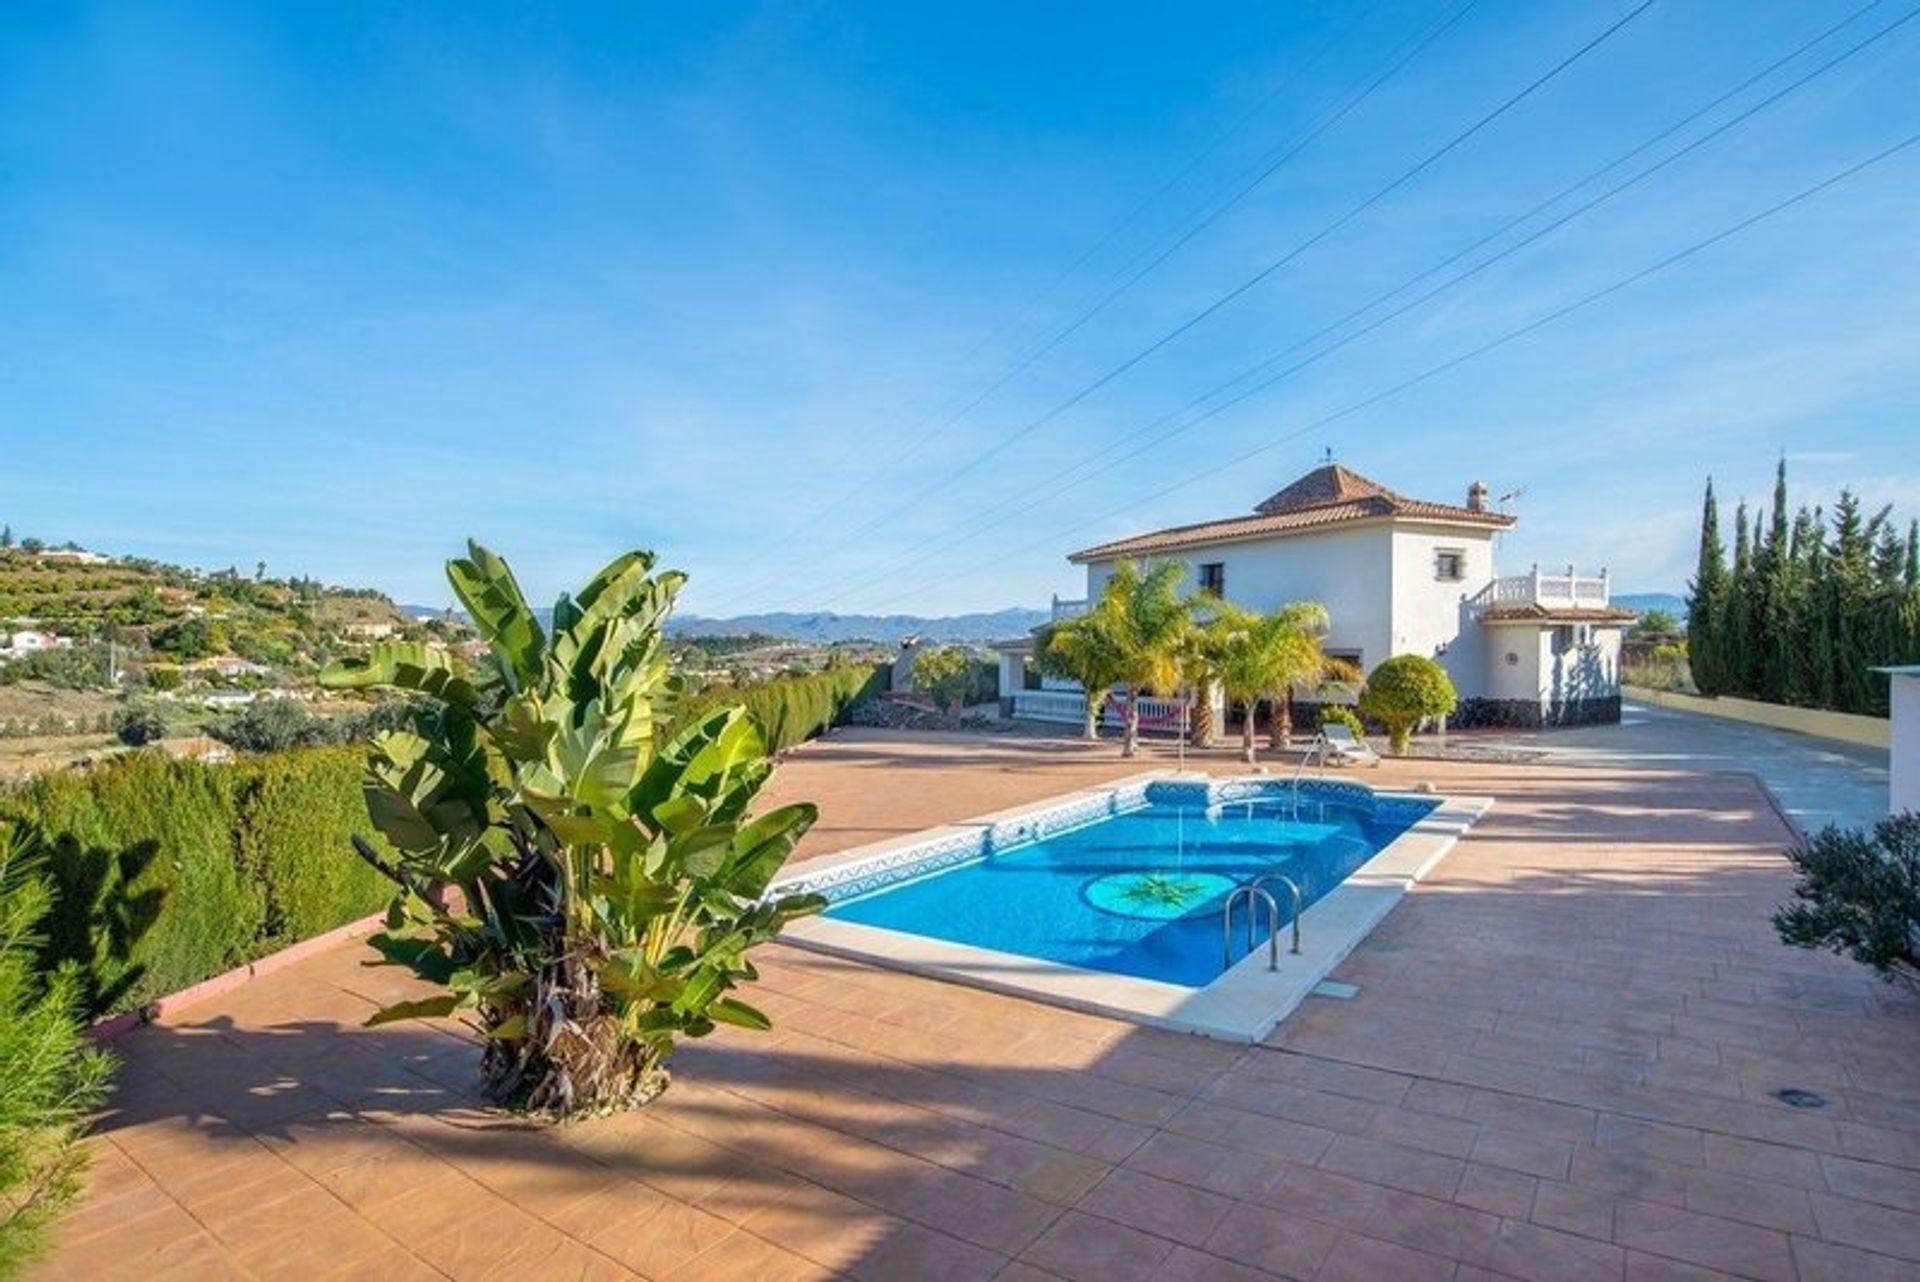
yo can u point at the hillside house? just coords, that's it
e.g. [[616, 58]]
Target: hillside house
[[1398, 575], [29, 640]]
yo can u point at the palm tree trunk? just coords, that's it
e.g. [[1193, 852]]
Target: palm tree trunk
[[1200, 722], [1280, 728], [1130, 745], [1096, 704], [1246, 733]]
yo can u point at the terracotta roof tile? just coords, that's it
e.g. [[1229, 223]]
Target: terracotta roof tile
[[1328, 495], [1533, 612]]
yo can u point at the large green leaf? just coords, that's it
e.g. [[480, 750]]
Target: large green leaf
[[421, 1008], [402, 665], [760, 848], [487, 588]]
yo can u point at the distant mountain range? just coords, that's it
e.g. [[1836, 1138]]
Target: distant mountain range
[[1641, 602], [824, 627]]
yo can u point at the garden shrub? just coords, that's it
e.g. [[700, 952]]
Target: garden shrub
[[168, 872], [51, 1076], [147, 895], [1339, 714], [1405, 690], [1859, 894], [297, 812]]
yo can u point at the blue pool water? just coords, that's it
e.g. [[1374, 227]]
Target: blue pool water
[[1139, 893]]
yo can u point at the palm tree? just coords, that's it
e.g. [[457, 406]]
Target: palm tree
[[1147, 618], [1294, 633], [1198, 656], [1264, 655], [1084, 649]]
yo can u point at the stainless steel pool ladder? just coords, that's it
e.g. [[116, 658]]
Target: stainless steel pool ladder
[[1254, 892]]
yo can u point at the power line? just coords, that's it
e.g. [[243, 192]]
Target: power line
[[1054, 487], [1354, 100], [1510, 336], [1406, 176]]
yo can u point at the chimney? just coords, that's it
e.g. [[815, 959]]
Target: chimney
[[1477, 496]]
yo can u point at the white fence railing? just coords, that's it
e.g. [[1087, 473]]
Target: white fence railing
[[1157, 716], [1063, 609], [1536, 588]]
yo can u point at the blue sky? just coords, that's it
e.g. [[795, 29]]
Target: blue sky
[[337, 285]]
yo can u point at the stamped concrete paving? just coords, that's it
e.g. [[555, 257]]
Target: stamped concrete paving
[[1816, 781], [1561, 1064]]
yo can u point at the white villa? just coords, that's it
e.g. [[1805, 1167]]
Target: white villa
[[1398, 576]]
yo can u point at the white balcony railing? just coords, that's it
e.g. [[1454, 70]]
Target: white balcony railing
[[1069, 707], [1536, 588], [1068, 609]]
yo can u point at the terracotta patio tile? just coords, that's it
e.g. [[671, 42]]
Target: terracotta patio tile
[[1873, 1228], [1642, 1267], [1872, 1182], [395, 1264], [330, 1241], [909, 1252], [1496, 1191], [1549, 1159], [1773, 1206], [1706, 1240], [747, 1258], [1830, 1262], [1547, 1255], [1394, 1166], [1354, 1258], [1171, 1210], [655, 1244], [1573, 1209], [150, 1242], [1085, 1248]]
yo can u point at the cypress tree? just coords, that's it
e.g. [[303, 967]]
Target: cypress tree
[[1738, 655], [1808, 605], [1707, 601]]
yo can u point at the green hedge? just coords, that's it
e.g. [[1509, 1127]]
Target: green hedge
[[167, 872], [792, 710]]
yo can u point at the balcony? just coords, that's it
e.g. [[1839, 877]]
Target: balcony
[[1068, 609], [1551, 591]]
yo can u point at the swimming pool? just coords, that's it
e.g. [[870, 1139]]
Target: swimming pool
[[1112, 898]]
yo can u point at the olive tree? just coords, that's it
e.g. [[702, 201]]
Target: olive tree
[[945, 673], [581, 889], [1859, 894], [1405, 690]]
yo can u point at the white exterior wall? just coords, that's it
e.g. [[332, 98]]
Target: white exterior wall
[[1903, 760], [1516, 662], [1378, 584], [1429, 614], [1348, 570], [1539, 675]]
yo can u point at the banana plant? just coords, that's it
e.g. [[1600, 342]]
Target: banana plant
[[585, 890]]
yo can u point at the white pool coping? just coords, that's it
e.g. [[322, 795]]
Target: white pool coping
[[1242, 1005]]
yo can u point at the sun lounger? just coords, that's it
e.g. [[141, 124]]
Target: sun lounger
[[1343, 746]]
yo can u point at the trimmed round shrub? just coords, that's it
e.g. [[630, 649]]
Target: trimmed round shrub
[[1405, 690], [1339, 714]]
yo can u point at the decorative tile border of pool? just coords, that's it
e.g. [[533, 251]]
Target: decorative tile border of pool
[[1242, 1005]]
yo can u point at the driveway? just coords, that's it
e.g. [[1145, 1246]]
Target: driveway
[[1816, 781]]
